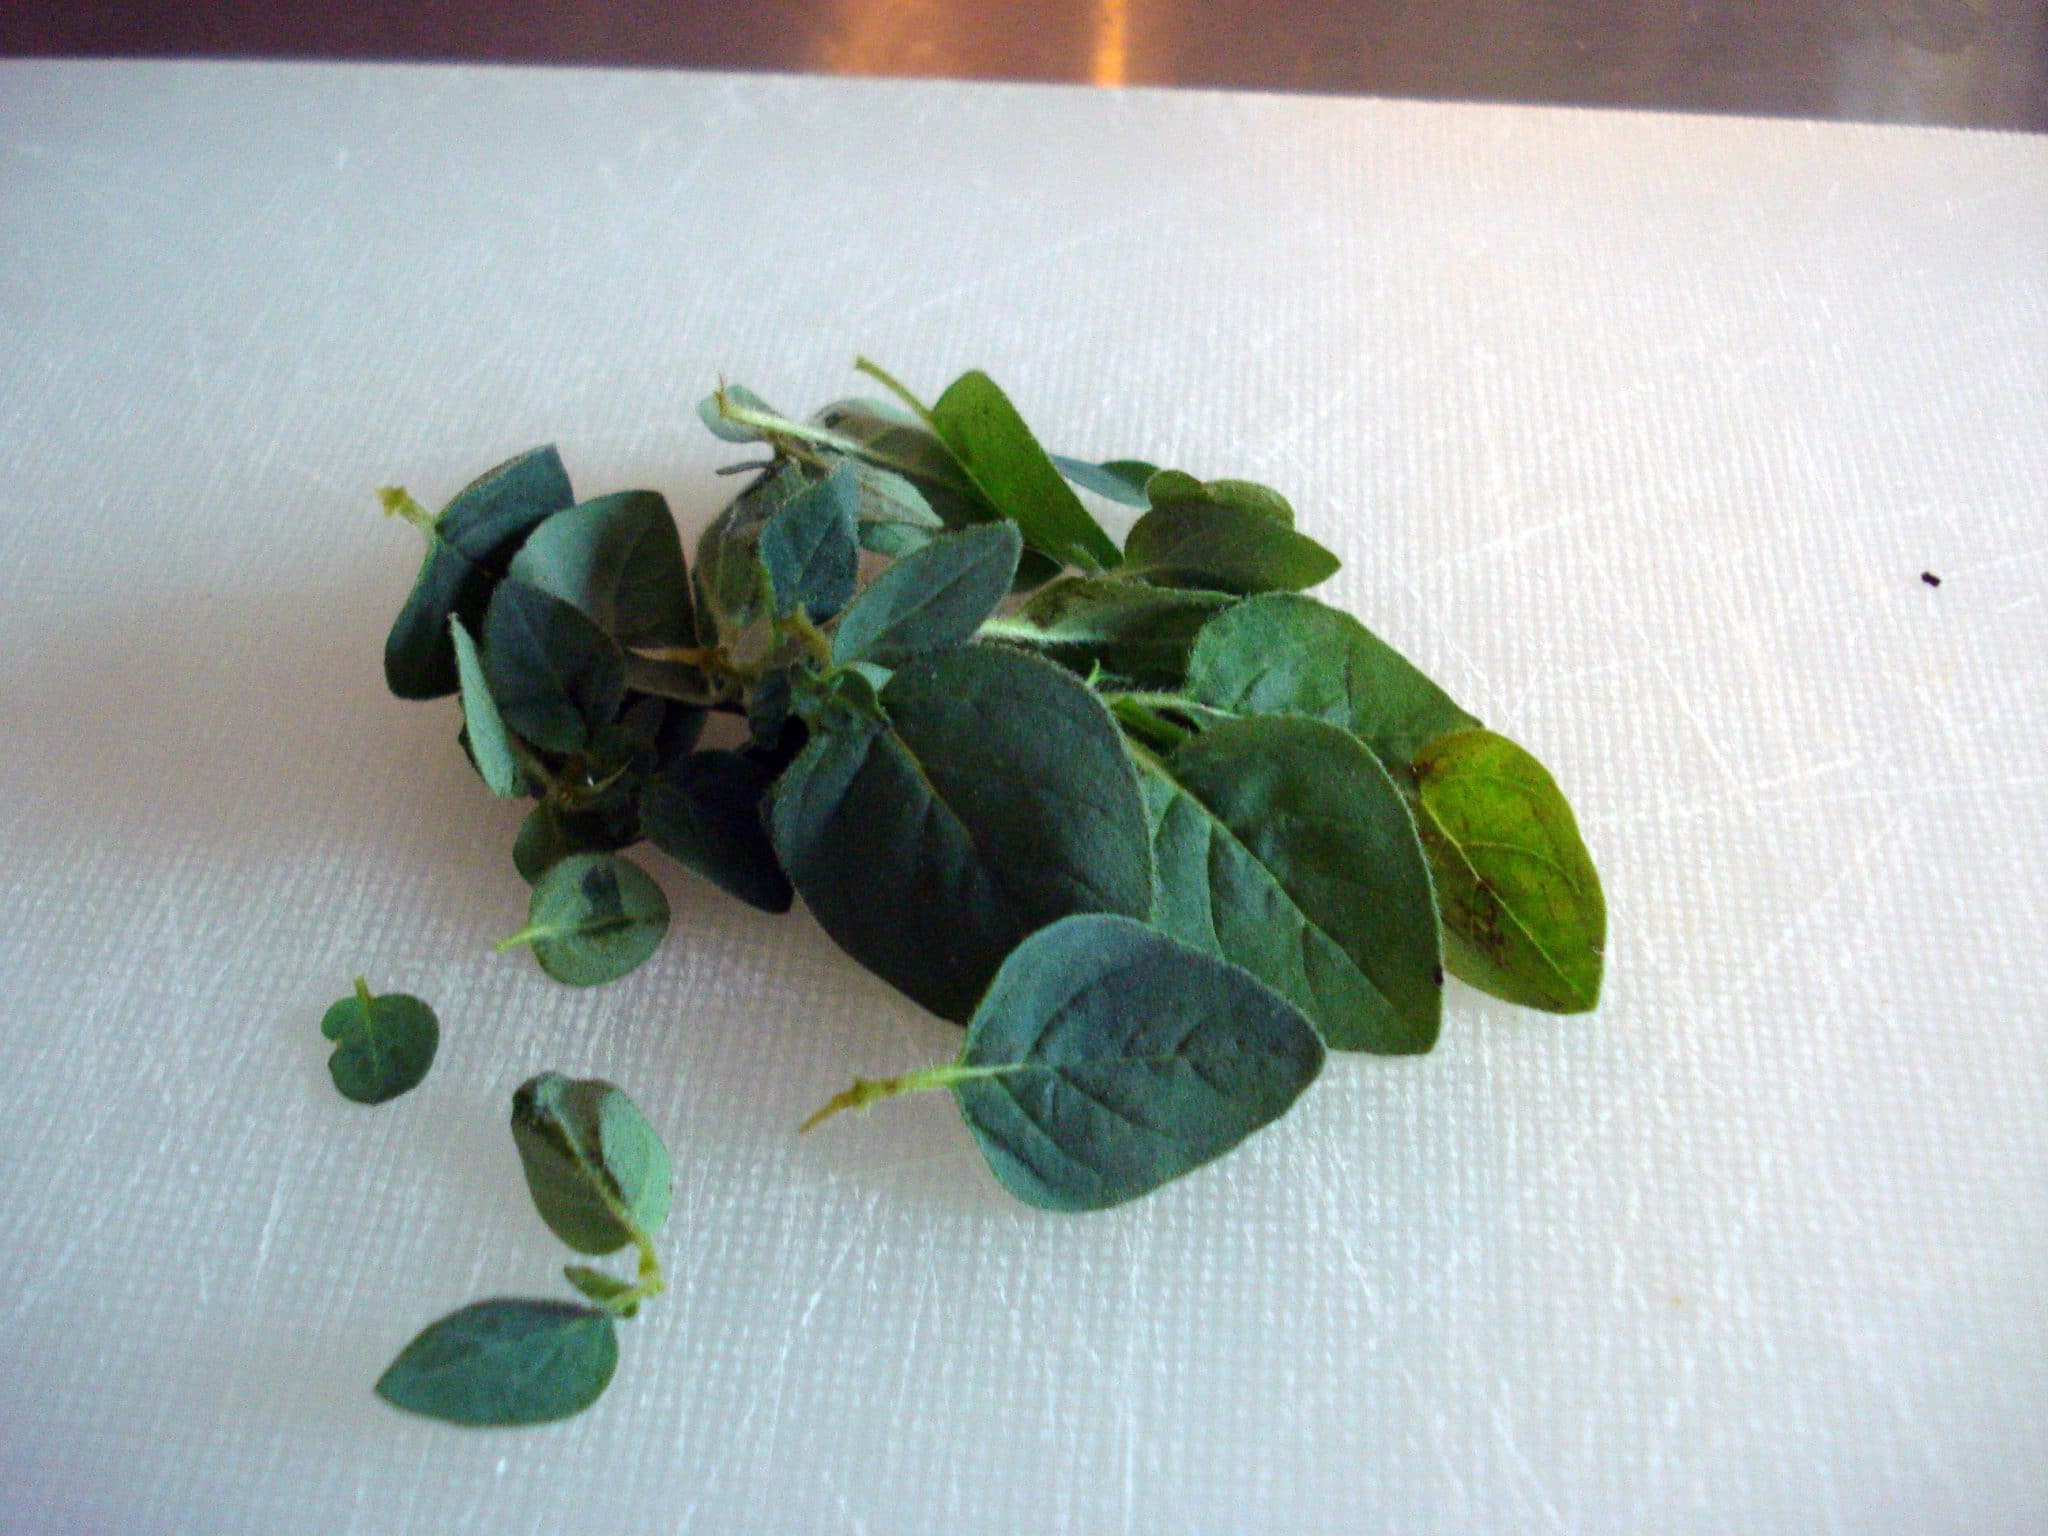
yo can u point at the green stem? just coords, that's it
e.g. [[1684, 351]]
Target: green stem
[[891, 383], [813, 639], [1142, 723], [363, 1000], [872, 1090], [398, 502]]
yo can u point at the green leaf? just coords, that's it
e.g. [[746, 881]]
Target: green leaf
[[1287, 655], [1172, 488], [1284, 846], [505, 1362], [598, 1173], [1129, 630], [1108, 1059], [993, 799], [809, 549], [468, 546], [1005, 464], [705, 813], [551, 833], [733, 412], [556, 676], [895, 440], [1223, 548], [490, 744], [383, 1045], [731, 583], [618, 560], [931, 600], [616, 1296], [592, 918], [1118, 480], [1523, 913], [888, 499]]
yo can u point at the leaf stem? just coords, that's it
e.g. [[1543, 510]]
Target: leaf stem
[[891, 383], [398, 502], [872, 1090]]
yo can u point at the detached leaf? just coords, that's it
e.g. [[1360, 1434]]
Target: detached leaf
[[1221, 547], [1108, 1059], [557, 677], [705, 813], [995, 798], [468, 547], [1287, 655], [383, 1045], [618, 560], [1283, 845], [931, 600], [598, 1173], [1127, 629], [1523, 913], [1118, 480], [809, 549], [502, 1363], [592, 918], [490, 744]]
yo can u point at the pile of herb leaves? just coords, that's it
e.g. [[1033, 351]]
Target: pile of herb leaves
[[1156, 827]]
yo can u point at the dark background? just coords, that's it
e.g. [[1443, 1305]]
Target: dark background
[[1960, 62]]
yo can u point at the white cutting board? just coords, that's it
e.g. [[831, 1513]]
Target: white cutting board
[[1638, 431]]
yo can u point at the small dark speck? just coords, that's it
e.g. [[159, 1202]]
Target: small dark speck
[[1930, 578], [1439, 975]]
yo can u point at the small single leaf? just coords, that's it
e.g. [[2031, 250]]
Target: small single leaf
[[1288, 655], [1223, 548], [731, 584], [598, 1173], [1524, 917], [931, 600], [723, 413], [608, 1291], [1282, 845], [993, 799], [888, 499], [809, 548], [897, 441], [1009, 471], [505, 1362], [1172, 488], [1127, 629], [490, 744], [1108, 1059], [705, 813], [1118, 480], [468, 547], [383, 1045], [556, 676], [619, 561], [592, 918]]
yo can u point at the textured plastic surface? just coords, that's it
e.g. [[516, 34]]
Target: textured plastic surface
[[1637, 431]]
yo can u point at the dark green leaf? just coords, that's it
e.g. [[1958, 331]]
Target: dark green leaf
[[502, 1363], [1108, 1059], [996, 798], [619, 561], [556, 676], [705, 812], [608, 1291], [383, 1045], [468, 547], [1139, 633], [731, 584], [550, 833], [490, 744], [1118, 480], [1523, 914], [931, 600], [598, 1173], [1283, 845], [592, 918], [1223, 548], [1287, 655], [809, 548]]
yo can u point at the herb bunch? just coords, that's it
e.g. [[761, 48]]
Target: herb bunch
[[1156, 827]]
